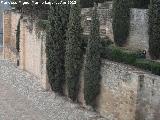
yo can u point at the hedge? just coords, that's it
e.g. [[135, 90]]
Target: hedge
[[118, 55], [143, 64], [136, 58], [148, 65]]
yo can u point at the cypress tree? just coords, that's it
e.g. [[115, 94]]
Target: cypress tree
[[154, 29], [141, 3], [92, 65], [90, 3], [74, 53], [55, 46], [86, 3], [121, 21], [18, 36]]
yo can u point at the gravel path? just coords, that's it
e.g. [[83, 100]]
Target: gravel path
[[22, 98]]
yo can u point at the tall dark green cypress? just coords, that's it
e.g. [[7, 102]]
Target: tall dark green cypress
[[86, 3], [154, 29], [18, 36], [90, 3], [121, 21], [140, 3], [74, 53], [55, 46], [93, 63]]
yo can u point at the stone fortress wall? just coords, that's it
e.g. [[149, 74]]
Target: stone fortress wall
[[105, 21], [126, 92], [10, 22], [138, 36], [2, 9], [31, 57]]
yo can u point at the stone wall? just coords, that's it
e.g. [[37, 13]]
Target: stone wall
[[10, 22], [3, 7], [32, 56], [148, 107], [104, 18], [32, 50], [138, 37], [128, 93], [7, 27]]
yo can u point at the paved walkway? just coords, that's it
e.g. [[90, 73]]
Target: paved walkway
[[21, 98]]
